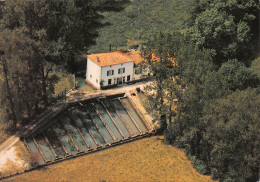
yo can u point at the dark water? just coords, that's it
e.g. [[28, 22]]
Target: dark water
[[100, 125], [133, 114], [72, 129], [124, 115], [91, 127], [87, 126], [102, 111], [45, 148], [66, 141], [75, 117], [34, 151], [55, 143], [116, 118]]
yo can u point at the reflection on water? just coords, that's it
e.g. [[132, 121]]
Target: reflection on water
[[108, 121], [34, 151], [99, 123], [121, 110], [67, 143], [77, 120], [55, 143], [134, 115], [45, 148], [92, 128], [116, 119]]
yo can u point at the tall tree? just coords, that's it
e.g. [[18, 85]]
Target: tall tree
[[233, 128], [20, 72], [52, 33], [234, 75], [159, 54], [229, 28]]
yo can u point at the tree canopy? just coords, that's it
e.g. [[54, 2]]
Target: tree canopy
[[214, 87], [35, 37]]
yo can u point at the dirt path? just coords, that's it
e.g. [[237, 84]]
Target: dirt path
[[8, 153], [6, 145]]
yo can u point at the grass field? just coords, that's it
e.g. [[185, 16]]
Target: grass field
[[66, 82], [148, 159]]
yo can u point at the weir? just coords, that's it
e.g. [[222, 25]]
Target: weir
[[87, 126]]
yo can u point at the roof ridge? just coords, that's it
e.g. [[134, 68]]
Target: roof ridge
[[122, 54]]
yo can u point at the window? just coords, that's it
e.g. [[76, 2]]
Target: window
[[123, 79], [109, 81], [90, 76], [96, 80], [110, 72], [128, 78], [121, 70]]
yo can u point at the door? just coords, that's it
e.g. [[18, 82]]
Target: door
[[119, 80]]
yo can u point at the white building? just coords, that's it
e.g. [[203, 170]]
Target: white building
[[112, 68]]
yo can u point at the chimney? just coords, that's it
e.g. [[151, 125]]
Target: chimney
[[97, 59]]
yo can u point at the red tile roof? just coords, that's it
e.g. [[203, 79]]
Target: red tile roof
[[115, 57]]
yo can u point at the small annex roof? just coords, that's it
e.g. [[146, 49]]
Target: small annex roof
[[136, 56], [115, 57]]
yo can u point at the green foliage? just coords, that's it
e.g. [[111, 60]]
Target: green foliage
[[197, 84], [159, 55], [142, 20], [230, 28], [232, 130], [36, 36], [234, 75], [199, 165]]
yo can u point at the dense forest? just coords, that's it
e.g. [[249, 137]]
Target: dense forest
[[206, 66], [37, 37], [213, 43], [200, 53], [141, 20]]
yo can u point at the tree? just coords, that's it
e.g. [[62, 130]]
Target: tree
[[233, 129], [159, 54], [196, 72], [20, 73], [51, 33], [234, 75], [229, 28]]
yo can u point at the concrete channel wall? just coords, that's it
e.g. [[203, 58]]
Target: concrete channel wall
[[95, 122], [83, 125]]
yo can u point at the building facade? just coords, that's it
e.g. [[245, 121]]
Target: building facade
[[112, 68]]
